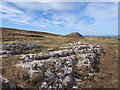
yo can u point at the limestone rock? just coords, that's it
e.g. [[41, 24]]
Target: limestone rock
[[61, 68]]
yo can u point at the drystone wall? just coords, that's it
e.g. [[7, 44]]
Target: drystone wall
[[63, 68], [9, 49]]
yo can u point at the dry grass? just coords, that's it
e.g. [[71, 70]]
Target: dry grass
[[107, 78], [109, 63]]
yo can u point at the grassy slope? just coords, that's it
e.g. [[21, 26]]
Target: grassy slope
[[108, 78], [109, 63]]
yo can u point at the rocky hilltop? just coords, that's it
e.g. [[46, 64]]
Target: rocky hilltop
[[75, 34]]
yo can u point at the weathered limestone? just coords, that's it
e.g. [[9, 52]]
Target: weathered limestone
[[62, 68], [10, 49], [7, 83]]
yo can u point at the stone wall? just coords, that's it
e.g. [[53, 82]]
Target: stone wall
[[9, 49], [63, 68]]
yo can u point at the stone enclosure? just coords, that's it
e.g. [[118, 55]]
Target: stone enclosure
[[64, 68]]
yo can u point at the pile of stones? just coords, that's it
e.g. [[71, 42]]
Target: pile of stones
[[23, 39], [9, 49], [63, 68], [7, 83]]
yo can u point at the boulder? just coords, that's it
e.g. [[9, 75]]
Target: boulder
[[68, 81], [7, 83]]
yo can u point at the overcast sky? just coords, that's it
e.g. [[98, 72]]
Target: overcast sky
[[87, 18]]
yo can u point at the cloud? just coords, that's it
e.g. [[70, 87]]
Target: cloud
[[46, 8], [11, 14], [105, 15], [84, 17], [61, 0]]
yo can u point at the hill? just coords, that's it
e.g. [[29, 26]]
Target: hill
[[75, 34], [19, 40]]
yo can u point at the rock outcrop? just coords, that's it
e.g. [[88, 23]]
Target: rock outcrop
[[63, 68]]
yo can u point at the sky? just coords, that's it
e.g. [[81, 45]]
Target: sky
[[87, 18]]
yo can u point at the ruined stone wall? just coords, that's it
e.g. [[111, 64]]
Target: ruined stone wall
[[63, 68]]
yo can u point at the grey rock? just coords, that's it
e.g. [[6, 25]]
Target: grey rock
[[17, 48], [7, 83], [58, 66]]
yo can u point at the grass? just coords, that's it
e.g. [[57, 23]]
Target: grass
[[109, 63], [33, 36], [107, 78]]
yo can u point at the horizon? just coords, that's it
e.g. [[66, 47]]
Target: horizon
[[87, 18], [66, 34]]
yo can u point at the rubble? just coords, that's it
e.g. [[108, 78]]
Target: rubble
[[61, 68], [78, 43], [7, 83], [50, 49], [9, 49]]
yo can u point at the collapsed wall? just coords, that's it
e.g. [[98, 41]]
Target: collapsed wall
[[9, 49], [5, 83], [63, 68]]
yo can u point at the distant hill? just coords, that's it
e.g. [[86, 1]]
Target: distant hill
[[11, 34], [74, 34], [33, 32]]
